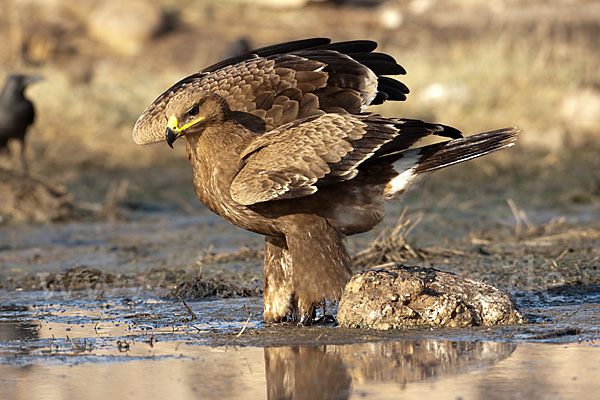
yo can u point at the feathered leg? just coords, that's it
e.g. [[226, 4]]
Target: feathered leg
[[301, 271], [278, 291], [321, 265]]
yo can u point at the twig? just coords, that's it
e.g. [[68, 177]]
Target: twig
[[186, 306], [245, 325], [77, 347], [391, 244], [520, 217], [561, 255]]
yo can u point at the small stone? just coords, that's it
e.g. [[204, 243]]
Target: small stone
[[432, 298], [125, 26], [580, 109]]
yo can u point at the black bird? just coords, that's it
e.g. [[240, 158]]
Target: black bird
[[17, 112]]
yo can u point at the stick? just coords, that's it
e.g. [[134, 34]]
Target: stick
[[245, 325], [186, 306]]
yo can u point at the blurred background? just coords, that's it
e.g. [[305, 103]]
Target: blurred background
[[473, 64]]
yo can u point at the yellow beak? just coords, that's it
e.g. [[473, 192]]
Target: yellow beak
[[174, 132]]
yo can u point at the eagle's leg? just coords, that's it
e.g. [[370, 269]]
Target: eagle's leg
[[321, 265], [278, 291]]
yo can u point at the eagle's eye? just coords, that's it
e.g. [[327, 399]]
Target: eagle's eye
[[194, 110]]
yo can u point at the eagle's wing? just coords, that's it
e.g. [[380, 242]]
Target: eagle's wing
[[289, 81], [296, 159]]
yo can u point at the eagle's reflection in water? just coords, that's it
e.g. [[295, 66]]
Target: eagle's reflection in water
[[315, 372], [306, 372]]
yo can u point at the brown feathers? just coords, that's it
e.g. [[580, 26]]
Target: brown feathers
[[284, 82], [280, 145]]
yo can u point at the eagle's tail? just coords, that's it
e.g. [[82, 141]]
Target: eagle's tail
[[436, 156], [440, 155]]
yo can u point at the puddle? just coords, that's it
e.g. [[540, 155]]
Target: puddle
[[137, 346], [433, 369]]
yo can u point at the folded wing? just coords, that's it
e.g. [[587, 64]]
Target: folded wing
[[296, 159]]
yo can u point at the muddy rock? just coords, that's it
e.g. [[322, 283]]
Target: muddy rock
[[397, 296]]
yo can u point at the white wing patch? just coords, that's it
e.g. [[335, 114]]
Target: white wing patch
[[406, 174]]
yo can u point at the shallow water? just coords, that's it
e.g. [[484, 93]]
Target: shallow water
[[133, 346], [427, 368], [411, 369]]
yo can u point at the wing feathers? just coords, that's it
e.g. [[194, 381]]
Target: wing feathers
[[331, 77], [394, 89], [352, 46], [269, 51], [298, 158], [380, 63]]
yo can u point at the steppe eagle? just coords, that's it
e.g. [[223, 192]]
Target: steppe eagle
[[281, 145]]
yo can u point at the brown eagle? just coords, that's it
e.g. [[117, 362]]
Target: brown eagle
[[281, 145]]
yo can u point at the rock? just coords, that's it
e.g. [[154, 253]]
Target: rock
[[125, 26], [398, 296], [580, 109]]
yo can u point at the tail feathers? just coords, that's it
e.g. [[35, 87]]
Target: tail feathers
[[430, 158], [440, 155]]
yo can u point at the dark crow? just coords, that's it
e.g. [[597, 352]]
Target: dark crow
[[16, 111]]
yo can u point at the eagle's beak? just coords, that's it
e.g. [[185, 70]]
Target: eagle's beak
[[173, 131]]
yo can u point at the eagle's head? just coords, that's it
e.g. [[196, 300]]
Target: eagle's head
[[190, 112]]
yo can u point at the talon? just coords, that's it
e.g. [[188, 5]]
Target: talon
[[305, 320]]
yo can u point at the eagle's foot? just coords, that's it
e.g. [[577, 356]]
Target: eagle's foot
[[306, 316], [293, 310]]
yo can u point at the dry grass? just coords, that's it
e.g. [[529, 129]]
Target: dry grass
[[390, 245]]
